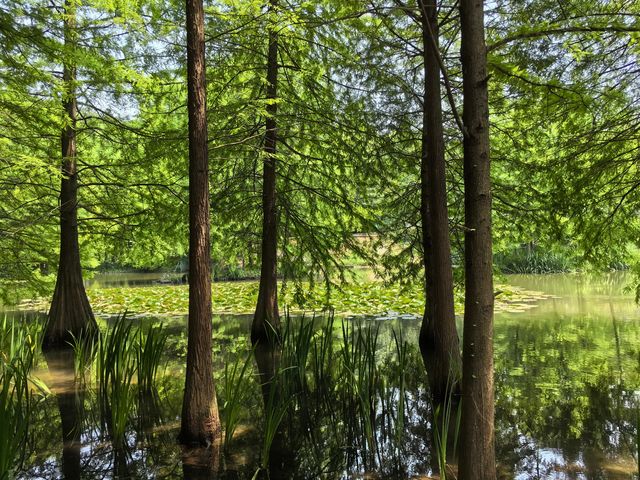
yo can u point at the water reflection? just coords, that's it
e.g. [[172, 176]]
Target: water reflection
[[567, 396], [277, 456], [567, 381], [201, 463], [69, 394]]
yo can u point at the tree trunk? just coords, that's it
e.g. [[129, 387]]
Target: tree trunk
[[439, 342], [477, 461], [200, 420], [70, 314], [266, 320]]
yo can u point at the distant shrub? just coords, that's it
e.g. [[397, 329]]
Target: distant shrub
[[234, 272], [528, 260]]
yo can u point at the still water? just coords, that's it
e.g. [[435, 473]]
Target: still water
[[567, 380], [567, 401]]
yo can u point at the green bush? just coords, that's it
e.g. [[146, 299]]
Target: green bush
[[527, 260]]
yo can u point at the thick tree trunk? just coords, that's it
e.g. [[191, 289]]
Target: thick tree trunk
[[439, 342], [477, 461], [200, 420], [266, 320], [70, 314]]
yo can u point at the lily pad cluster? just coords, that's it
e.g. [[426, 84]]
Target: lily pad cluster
[[367, 298]]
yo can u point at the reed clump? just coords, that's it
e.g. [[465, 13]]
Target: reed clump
[[19, 393]]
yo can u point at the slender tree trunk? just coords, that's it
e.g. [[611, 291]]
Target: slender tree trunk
[[439, 342], [477, 461], [266, 320], [200, 420], [70, 314]]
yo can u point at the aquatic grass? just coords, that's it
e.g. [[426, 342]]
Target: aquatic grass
[[360, 376], [116, 365], [402, 348], [112, 346], [122, 400], [296, 345], [84, 352], [442, 418], [235, 389], [322, 354], [276, 408], [149, 351], [19, 341], [637, 438], [19, 338], [15, 413], [537, 261]]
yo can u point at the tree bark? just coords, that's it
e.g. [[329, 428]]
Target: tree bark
[[70, 314], [439, 342], [477, 442], [200, 419], [266, 320]]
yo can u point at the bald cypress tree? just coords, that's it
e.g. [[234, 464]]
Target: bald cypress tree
[[200, 419], [266, 319], [477, 459], [439, 342], [70, 314]]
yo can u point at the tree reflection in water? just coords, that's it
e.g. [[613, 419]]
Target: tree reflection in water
[[567, 377]]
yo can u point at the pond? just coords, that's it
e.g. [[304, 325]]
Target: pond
[[567, 398]]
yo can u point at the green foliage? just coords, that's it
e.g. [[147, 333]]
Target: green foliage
[[538, 260]]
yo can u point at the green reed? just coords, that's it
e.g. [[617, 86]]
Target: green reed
[[235, 389], [19, 340], [276, 408], [402, 349], [15, 413], [116, 366], [322, 353], [360, 375], [149, 350], [296, 345], [442, 417], [84, 352]]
